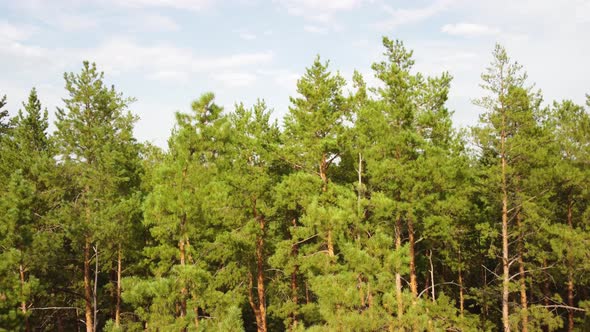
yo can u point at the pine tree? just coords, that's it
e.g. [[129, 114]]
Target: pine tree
[[570, 124], [93, 132], [254, 172], [192, 282], [313, 146], [513, 143], [25, 206]]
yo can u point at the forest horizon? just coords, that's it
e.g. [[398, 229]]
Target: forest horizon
[[365, 210]]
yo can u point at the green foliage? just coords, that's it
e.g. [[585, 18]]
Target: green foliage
[[365, 211]]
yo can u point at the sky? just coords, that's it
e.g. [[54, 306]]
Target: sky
[[166, 53]]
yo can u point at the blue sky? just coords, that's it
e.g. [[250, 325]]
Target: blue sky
[[165, 53]]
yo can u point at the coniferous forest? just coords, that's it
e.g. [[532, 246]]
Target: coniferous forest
[[363, 209]]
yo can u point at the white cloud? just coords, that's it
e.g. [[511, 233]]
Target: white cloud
[[469, 29], [193, 5], [163, 61], [315, 28], [247, 35], [307, 7], [401, 16], [156, 22], [16, 32], [234, 79], [320, 12]]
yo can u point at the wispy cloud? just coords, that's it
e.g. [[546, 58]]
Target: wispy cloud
[[155, 22], [322, 13], [402, 16], [161, 61], [234, 79], [193, 5], [246, 35], [469, 30], [16, 32], [315, 28]]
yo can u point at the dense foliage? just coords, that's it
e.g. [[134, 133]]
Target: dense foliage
[[365, 210]]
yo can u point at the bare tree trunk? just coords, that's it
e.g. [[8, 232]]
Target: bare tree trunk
[[570, 272], [360, 184], [432, 275], [522, 276], [505, 263], [294, 295], [412, 241], [546, 292], [323, 169], [23, 303], [87, 287], [253, 305], [118, 305], [398, 277], [260, 308], [183, 290], [461, 295], [94, 293]]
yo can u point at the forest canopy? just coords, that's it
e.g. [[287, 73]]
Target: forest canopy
[[364, 210]]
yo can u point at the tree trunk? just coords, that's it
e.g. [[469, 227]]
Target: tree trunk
[[546, 292], [253, 305], [183, 290], [570, 272], [398, 277], [94, 292], [432, 275], [323, 175], [294, 296], [461, 296], [505, 263], [361, 293], [118, 305], [87, 287], [522, 276], [260, 308], [360, 184], [23, 303], [412, 241]]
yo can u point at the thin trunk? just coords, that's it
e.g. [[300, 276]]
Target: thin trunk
[[260, 312], [360, 288], [505, 263], [570, 272], [330, 244], [546, 292], [432, 275], [522, 276], [398, 277], [360, 184], [182, 244], [324, 177], [94, 293], [118, 305], [23, 303], [294, 295], [412, 242], [253, 305], [461, 296], [87, 287], [183, 290]]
